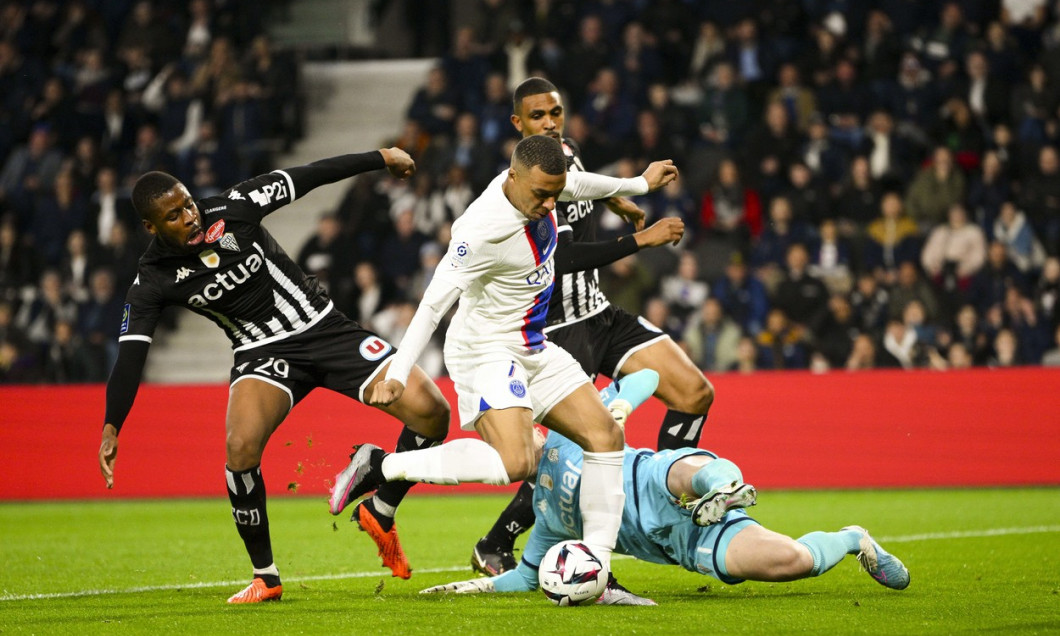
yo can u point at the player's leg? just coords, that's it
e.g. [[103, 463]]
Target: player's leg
[[582, 418], [684, 390], [709, 487], [256, 407], [425, 413]]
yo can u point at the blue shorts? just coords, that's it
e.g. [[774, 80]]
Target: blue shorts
[[668, 526]]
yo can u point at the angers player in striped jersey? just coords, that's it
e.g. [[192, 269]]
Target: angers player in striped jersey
[[215, 258], [601, 337]]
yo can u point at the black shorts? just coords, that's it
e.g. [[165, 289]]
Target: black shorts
[[336, 353], [602, 343]]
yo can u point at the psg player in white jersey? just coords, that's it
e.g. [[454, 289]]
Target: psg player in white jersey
[[214, 257], [507, 375]]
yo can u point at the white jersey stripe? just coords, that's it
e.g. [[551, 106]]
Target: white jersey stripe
[[254, 331], [274, 326], [232, 328], [280, 336], [287, 310], [289, 286]]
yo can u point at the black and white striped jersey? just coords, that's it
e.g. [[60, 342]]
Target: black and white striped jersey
[[241, 279], [577, 295]]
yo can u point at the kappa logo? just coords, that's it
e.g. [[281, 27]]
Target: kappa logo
[[183, 273], [215, 232], [228, 241], [236, 196], [268, 193], [543, 506]]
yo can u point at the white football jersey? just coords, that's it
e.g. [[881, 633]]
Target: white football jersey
[[502, 263]]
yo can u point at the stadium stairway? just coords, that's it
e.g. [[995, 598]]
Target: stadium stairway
[[351, 107]]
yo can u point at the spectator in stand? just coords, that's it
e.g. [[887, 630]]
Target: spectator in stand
[[1047, 293], [986, 93], [1052, 356], [57, 214], [721, 115], [989, 190], [743, 297], [845, 103], [122, 253], [683, 292], [911, 99], [1006, 350], [1040, 199], [146, 155], [881, 50], [831, 258], [18, 263], [991, 284], [466, 68], [638, 60], [400, 253], [954, 253], [494, 112], [1022, 319], [46, 305], [79, 261], [871, 304], [770, 250], [935, 188], [675, 122], [99, 318], [368, 295], [54, 110], [945, 40], [674, 200], [889, 154], [590, 53], [961, 133], [799, 101], [862, 354], [1012, 230], [781, 344], [746, 356], [1025, 20], [826, 159], [658, 313], [859, 199], [627, 282], [810, 201], [707, 52], [801, 296], [1003, 56], [730, 210], [609, 110], [1033, 104], [218, 73], [467, 152], [837, 333], [326, 254], [909, 286], [29, 172], [435, 105], [818, 62], [649, 144], [770, 149], [752, 58], [711, 338]]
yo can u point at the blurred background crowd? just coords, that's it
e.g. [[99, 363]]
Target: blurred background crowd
[[864, 184]]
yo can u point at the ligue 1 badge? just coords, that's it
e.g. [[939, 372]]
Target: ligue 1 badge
[[228, 241], [210, 258]]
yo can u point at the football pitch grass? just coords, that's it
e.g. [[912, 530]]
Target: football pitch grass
[[980, 561]]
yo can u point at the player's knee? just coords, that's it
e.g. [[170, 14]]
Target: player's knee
[[606, 437], [518, 464], [791, 561], [438, 421], [696, 397], [242, 451]]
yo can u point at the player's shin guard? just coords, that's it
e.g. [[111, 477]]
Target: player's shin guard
[[680, 430], [716, 475], [387, 498], [602, 499], [515, 520], [246, 491], [456, 462], [829, 548]]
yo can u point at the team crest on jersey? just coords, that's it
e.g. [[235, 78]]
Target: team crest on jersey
[[460, 254], [517, 388], [210, 258], [228, 241], [545, 481], [125, 318], [215, 232], [553, 455], [374, 348], [542, 231]]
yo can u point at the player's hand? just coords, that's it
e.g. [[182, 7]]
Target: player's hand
[[666, 230], [386, 392], [660, 173], [473, 586], [628, 210], [398, 162], [108, 453]]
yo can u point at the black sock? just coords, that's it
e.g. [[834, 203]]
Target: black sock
[[246, 491], [680, 430], [516, 519], [390, 494]]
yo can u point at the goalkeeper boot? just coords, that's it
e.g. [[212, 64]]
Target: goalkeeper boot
[[490, 559], [881, 565], [388, 543], [616, 594], [257, 592], [711, 507], [363, 475]]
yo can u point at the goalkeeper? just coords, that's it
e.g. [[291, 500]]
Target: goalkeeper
[[683, 507]]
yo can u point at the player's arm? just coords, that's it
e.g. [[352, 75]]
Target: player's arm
[[628, 210], [588, 186], [576, 257], [122, 387], [522, 579]]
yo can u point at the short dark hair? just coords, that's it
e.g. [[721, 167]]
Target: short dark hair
[[541, 151], [149, 187], [531, 86]]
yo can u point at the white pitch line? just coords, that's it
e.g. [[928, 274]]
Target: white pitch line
[[931, 536]]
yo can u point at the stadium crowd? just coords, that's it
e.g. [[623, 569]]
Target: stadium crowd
[[864, 184]]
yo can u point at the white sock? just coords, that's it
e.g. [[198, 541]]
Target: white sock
[[602, 499], [269, 570], [456, 462]]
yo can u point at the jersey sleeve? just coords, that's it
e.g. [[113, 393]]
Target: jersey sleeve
[[257, 197], [143, 304], [467, 259], [589, 186]]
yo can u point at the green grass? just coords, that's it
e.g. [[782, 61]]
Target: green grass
[[1007, 583]]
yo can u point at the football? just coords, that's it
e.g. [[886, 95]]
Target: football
[[570, 574]]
